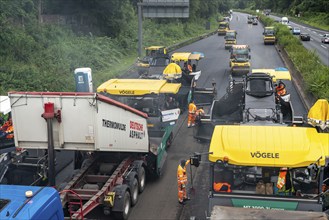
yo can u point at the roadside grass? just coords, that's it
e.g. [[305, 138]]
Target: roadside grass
[[43, 57]]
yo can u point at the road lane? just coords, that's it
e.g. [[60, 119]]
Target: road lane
[[315, 44], [159, 200]]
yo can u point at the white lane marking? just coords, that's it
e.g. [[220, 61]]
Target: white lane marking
[[314, 32], [303, 27], [323, 46], [308, 29], [311, 39]]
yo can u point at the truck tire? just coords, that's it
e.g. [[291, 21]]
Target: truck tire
[[124, 214], [134, 192], [141, 179]]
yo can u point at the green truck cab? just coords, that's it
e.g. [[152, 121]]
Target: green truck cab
[[269, 35]]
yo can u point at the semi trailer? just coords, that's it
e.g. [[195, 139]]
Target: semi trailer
[[115, 147]]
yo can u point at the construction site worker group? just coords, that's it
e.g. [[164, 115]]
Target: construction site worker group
[[193, 113]]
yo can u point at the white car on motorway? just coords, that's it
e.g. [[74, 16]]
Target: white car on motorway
[[295, 31], [325, 39]]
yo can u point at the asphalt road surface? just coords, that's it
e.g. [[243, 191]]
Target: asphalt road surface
[[159, 200], [315, 44]]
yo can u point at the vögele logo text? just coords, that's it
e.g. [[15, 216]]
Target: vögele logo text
[[126, 92], [259, 154]]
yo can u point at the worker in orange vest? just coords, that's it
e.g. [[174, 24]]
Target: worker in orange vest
[[198, 114], [189, 67], [284, 183], [7, 129], [282, 178], [281, 89], [200, 111], [182, 181], [191, 114]]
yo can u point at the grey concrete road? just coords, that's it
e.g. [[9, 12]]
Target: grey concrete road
[[322, 50], [159, 200]]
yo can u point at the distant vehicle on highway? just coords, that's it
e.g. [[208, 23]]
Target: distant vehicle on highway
[[296, 31], [325, 38], [305, 37], [267, 12], [255, 21], [284, 20]]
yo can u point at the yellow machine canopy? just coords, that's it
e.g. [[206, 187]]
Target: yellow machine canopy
[[277, 74], [268, 146], [172, 71], [138, 87], [319, 114], [155, 47], [185, 56], [180, 56]]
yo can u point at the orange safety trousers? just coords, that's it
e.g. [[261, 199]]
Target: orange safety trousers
[[181, 182]]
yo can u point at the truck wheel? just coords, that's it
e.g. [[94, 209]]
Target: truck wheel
[[141, 179], [134, 192], [124, 214]]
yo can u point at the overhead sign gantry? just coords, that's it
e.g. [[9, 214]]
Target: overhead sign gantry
[[160, 9]]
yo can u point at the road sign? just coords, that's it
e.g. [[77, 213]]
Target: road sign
[[166, 8]]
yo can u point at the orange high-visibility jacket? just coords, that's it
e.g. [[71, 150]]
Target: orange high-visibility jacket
[[192, 108], [281, 179], [189, 67], [218, 187], [181, 173], [280, 90]]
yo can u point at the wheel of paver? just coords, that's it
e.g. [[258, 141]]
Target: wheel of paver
[[141, 179], [124, 214], [134, 192]]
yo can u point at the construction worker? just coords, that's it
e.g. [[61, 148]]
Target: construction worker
[[6, 130], [189, 67], [182, 181], [170, 103], [191, 114], [281, 89], [198, 114], [284, 183]]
